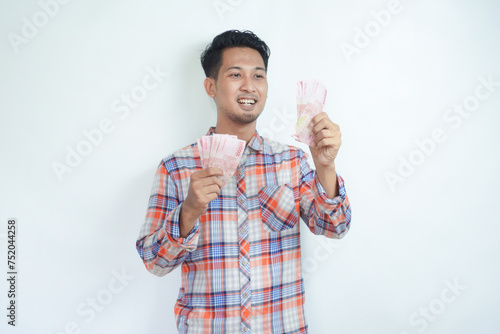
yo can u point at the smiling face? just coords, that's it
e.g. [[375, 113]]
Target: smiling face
[[240, 90]]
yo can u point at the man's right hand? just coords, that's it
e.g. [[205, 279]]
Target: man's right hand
[[205, 186]]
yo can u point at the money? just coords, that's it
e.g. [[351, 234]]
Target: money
[[311, 97], [222, 151], [204, 145]]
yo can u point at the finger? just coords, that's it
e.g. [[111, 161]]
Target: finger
[[209, 191], [323, 133], [217, 184], [214, 171], [207, 172], [322, 115], [207, 181], [204, 195], [329, 142], [327, 133], [217, 180], [319, 117], [212, 196], [210, 171], [325, 124]]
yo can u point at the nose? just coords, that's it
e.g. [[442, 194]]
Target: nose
[[247, 85]]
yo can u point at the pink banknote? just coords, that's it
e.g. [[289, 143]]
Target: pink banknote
[[311, 97], [204, 144], [222, 151]]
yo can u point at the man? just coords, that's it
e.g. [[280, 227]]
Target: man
[[239, 246]]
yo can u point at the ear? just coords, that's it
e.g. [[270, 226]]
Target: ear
[[209, 84]]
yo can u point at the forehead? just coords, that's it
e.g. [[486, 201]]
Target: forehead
[[243, 57]]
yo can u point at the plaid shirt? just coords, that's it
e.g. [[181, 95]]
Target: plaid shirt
[[241, 268]]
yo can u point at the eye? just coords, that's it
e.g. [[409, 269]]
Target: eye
[[259, 76], [235, 75]]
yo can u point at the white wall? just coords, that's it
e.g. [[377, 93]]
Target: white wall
[[436, 226]]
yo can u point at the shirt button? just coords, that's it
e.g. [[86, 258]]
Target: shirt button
[[244, 262], [241, 200], [245, 295]]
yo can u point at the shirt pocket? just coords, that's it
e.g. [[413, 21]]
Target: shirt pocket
[[278, 207]]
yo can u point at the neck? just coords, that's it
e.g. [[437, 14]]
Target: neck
[[242, 131]]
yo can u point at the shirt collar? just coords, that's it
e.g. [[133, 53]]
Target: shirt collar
[[254, 143]]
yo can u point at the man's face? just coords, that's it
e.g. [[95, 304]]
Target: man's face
[[240, 90]]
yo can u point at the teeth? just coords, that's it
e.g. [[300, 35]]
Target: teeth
[[246, 101]]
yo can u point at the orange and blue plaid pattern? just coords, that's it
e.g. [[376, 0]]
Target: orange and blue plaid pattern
[[241, 263]]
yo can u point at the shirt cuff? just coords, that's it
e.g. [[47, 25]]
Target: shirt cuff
[[172, 231], [329, 204]]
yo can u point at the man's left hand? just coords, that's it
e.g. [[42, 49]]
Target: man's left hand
[[327, 141]]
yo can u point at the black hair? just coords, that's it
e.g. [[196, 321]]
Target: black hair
[[211, 58]]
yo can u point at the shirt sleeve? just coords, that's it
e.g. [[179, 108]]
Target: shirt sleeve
[[323, 216], [159, 243]]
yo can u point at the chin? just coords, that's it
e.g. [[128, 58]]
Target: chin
[[243, 117], [246, 119]]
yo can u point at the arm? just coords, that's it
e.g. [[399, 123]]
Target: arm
[[327, 209], [328, 178], [204, 187], [159, 243], [326, 147], [326, 216], [171, 227]]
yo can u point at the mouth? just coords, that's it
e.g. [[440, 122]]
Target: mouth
[[247, 101]]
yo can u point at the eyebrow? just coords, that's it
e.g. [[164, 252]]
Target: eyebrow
[[239, 68]]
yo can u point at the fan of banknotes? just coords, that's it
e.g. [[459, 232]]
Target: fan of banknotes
[[222, 151], [311, 97]]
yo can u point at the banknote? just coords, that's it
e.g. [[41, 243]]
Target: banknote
[[311, 97], [222, 151], [227, 156], [204, 144], [216, 139]]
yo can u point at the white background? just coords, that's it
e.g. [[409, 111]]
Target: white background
[[437, 224]]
